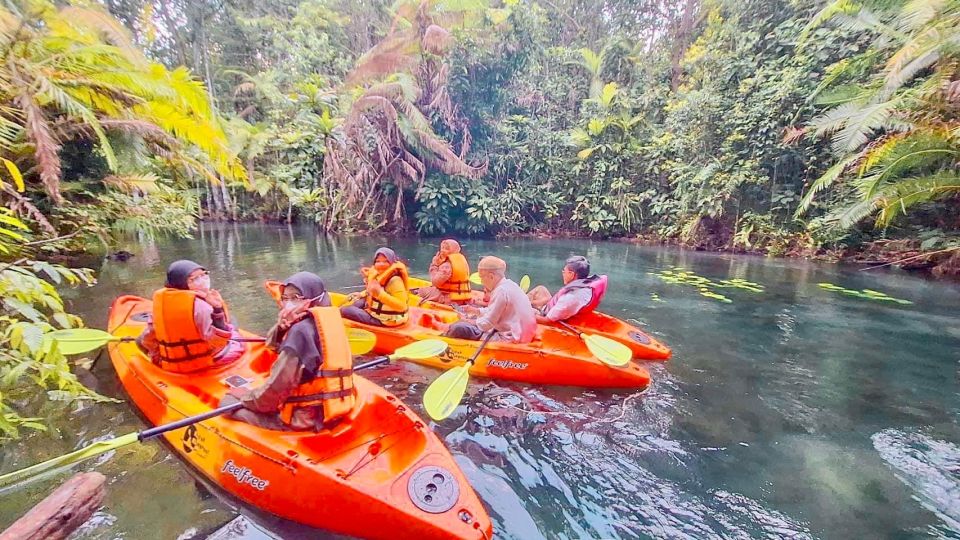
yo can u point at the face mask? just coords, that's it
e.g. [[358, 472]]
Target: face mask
[[289, 305], [201, 284]]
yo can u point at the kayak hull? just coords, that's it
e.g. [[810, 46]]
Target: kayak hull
[[555, 357], [360, 478]]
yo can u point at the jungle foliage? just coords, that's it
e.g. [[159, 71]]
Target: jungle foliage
[[776, 126]]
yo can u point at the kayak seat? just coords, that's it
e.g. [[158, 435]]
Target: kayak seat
[[427, 320], [364, 426]]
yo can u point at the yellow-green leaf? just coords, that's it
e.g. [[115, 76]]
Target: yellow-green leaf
[[14, 173]]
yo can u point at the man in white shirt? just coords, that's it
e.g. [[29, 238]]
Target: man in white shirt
[[509, 311]]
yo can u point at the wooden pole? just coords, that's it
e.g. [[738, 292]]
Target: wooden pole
[[63, 511]]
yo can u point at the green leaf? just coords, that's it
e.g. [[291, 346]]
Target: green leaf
[[24, 309], [14, 173], [33, 338], [62, 319]]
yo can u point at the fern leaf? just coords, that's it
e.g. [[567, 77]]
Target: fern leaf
[[46, 147]]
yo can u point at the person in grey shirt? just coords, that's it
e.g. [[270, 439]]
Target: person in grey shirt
[[509, 311], [581, 292]]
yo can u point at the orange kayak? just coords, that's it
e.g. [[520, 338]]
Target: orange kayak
[[555, 357], [644, 346], [382, 473]]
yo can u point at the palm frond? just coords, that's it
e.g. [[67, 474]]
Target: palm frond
[[918, 13], [903, 154], [826, 180], [831, 10], [899, 197]]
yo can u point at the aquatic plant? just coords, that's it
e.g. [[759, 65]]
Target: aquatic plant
[[868, 294], [705, 286]]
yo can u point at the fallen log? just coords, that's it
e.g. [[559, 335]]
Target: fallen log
[[57, 516]]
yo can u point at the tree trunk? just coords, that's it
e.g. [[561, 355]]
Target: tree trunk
[[63, 511], [681, 40]]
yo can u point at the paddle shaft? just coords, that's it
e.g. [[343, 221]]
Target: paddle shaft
[[570, 328], [480, 349], [160, 430], [99, 447]]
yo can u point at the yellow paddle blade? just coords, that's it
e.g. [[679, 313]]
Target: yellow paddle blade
[[444, 394], [608, 351], [93, 449], [79, 340], [475, 278], [361, 341], [525, 283], [420, 350]]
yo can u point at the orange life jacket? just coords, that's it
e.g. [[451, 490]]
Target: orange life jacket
[[458, 286], [332, 384], [181, 348], [388, 316]]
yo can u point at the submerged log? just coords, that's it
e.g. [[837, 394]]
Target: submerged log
[[70, 506]]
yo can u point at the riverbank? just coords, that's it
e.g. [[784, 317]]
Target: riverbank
[[905, 254]]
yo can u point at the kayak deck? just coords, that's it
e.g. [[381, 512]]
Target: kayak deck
[[381, 473]]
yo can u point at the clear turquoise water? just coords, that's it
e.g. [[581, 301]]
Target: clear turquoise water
[[796, 412]]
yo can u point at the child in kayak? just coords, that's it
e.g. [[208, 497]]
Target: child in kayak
[[509, 311], [311, 382], [190, 328], [581, 293], [449, 276], [384, 303]]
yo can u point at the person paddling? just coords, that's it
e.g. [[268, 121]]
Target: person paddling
[[449, 276], [581, 293], [509, 311], [189, 328], [310, 386], [384, 303]]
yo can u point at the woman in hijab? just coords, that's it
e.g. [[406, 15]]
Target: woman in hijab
[[296, 340], [190, 329], [384, 303], [449, 276]]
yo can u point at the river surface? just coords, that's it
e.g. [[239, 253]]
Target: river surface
[[797, 412]]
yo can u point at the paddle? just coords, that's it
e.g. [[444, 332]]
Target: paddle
[[608, 351], [445, 393], [524, 281], [416, 350], [81, 340]]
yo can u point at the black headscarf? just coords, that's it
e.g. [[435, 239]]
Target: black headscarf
[[179, 272], [302, 338], [390, 255]]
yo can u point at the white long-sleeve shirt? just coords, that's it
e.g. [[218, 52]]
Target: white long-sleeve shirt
[[510, 313]]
